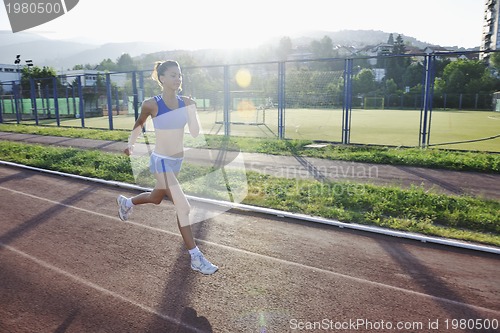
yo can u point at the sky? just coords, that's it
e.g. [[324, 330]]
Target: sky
[[197, 24]]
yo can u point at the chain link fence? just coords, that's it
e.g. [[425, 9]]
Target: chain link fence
[[410, 100]]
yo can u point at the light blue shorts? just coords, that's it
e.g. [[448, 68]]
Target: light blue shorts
[[161, 164]]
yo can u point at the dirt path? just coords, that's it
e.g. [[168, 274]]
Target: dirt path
[[441, 181]]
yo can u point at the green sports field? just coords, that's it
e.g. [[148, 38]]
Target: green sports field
[[381, 127]]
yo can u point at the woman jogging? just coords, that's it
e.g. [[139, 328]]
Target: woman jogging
[[170, 113]]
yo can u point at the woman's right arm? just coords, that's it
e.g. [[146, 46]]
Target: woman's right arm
[[146, 110]]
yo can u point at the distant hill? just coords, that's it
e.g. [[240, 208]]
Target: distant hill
[[66, 54], [111, 50], [359, 38], [43, 51], [8, 38]]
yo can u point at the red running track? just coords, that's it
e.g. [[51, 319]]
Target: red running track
[[68, 264]]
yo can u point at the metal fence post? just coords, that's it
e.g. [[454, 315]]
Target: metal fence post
[[117, 101], [281, 100], [33, 100], [16, 90], [227, 96], [141, 91], [109, 100], [426, 112], [47, 99], [134, 94], [1, 110], [80, 97], [66, 95], [56, 101], [347, 105]]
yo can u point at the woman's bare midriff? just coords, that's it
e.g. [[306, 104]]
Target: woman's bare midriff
[[170, 142]]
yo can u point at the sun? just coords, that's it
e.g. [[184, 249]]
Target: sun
[[243, 78]]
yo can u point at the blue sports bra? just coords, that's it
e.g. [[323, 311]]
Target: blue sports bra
[[167, 118]]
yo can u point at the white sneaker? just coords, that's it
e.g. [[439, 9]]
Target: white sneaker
[[201, 264], [123, 210]]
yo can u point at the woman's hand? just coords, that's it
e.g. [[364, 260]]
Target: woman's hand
[[128, 151]]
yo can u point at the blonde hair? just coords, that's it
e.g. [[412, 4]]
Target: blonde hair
[[161, 67]]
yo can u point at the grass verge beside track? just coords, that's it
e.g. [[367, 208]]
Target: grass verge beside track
[[430, 158], [415, 210]]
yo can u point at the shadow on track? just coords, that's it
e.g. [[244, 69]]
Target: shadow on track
[[45, 216], [177, 293], [429, 281], [67, 322]]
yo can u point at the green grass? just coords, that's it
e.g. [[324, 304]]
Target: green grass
[[89, 163], [430, 157], [415, 210], [70, 132], [396, 127], [375, 127]]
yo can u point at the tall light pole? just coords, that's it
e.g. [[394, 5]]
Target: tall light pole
[[29, 63], [17, 62]]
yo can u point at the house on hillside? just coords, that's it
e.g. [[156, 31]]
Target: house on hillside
[[300, 53], [452, 56], [382, 49], [435, 49], [344, 51]]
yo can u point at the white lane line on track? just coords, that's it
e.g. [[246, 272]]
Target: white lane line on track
[[96, 287], [263, 256], [279, 213]]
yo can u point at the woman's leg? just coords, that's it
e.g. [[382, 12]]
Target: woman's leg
[[154, 197], [176, 194], [125, 205], [168, 181]]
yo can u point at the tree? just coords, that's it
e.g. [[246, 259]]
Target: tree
[[397, 64], [364, 82], [125, 63], [495, 63], [413, 75], [439, 66], [107, 65], [323, 48], [390, 87], [399, 46], [466, 76], [284, 48], [37, 73], [390, 40]]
